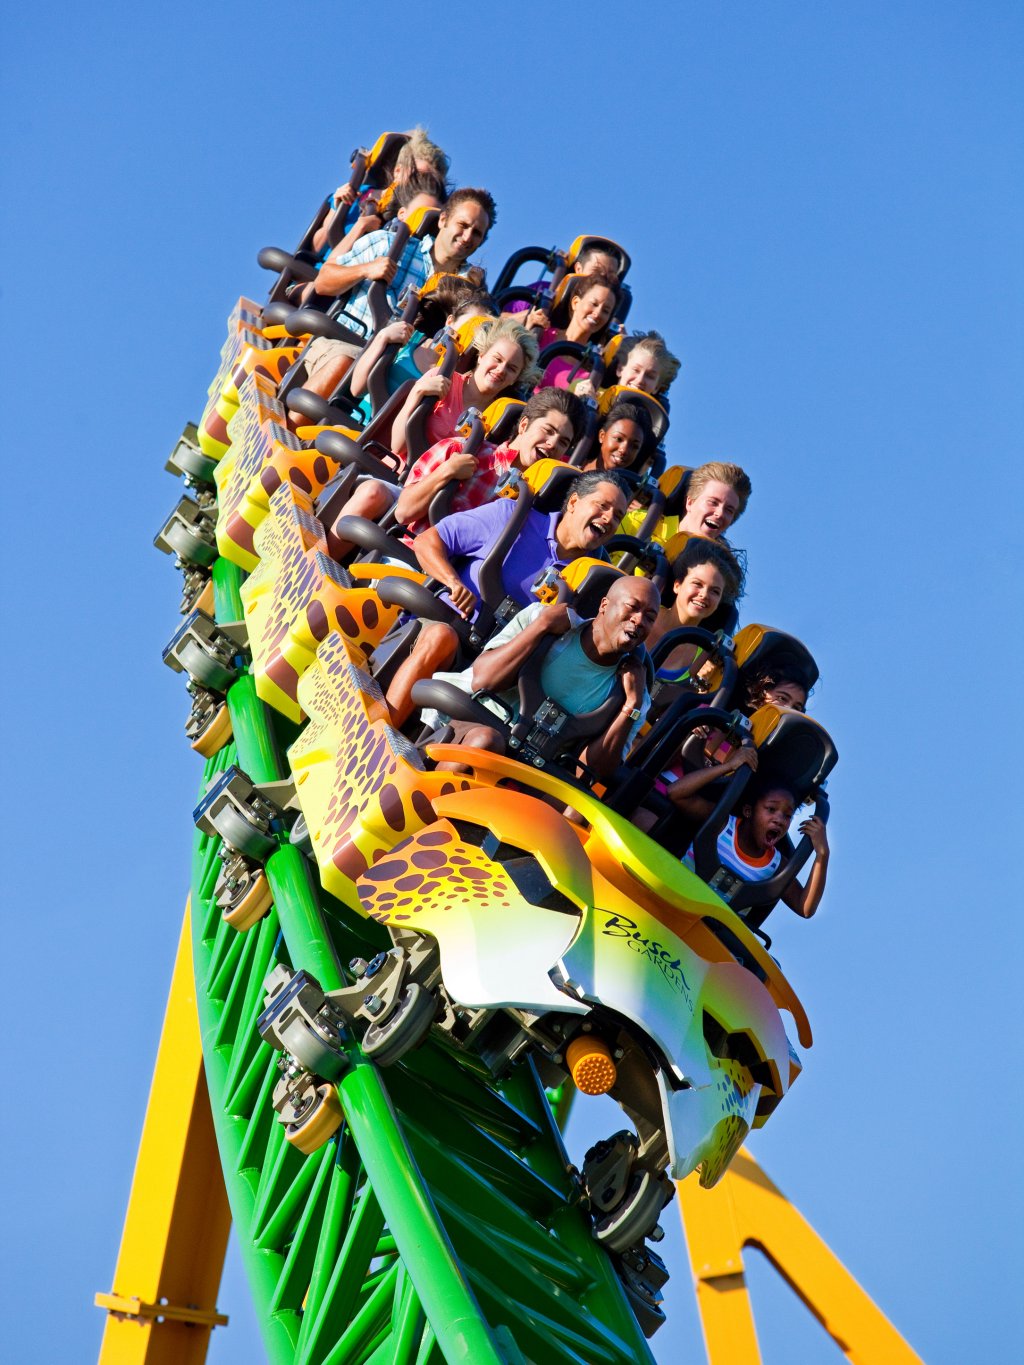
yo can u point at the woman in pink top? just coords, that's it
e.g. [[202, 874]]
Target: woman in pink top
[[508, 355], [589, 305]]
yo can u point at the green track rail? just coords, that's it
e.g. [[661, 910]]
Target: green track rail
[[440, 1223]]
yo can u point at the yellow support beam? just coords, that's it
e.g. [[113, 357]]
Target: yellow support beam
[[163, 1305], [746, 1209]]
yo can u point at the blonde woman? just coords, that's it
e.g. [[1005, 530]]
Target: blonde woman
[[507, 356]]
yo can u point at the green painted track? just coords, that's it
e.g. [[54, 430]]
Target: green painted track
[[439, 1224]]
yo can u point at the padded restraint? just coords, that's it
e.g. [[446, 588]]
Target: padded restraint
[[757, 644]]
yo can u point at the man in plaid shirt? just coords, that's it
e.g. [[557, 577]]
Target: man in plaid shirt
[[465, 221], [549, 426]]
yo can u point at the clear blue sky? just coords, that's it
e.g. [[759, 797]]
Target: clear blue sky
[[824, 207]]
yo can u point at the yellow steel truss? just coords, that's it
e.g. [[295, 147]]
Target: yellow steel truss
[[746, 1209], [163, 1305]]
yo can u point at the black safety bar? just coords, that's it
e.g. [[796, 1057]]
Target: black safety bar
[[550, 258], [440, 503]]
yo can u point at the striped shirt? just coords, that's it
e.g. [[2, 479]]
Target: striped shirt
[[734, 860]]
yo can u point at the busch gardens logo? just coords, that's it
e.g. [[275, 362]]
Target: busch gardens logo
[[618, 926]]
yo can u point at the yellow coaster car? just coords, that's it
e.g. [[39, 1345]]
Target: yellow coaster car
[[528, 919]]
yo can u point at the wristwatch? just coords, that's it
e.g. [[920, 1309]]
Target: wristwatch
[[632, 712]]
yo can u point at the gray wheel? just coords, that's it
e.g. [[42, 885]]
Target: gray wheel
[[240, 835], [207, 670], [407, 1027], [632, 1219], [194, 463], [312, 1051], [188, 546]]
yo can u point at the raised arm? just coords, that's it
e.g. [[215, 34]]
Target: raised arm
[[684, 793], [394, 333], [434, 384], [806, 899], [343, 198]]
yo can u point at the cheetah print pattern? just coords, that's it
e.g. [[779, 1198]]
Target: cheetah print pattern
[[267, 454], [268, 359], [212, 425], [340, 601], [361, 785], [438, 883], [253, 442], [297, 596], [279, 588], [437, 864]]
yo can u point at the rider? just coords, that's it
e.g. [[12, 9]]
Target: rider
[[747, 846], [716, 496], [417, 156], [578, 672], [643, 362], [586, 311], [455, 549], [782, 681], [704, 574], [466, 218], [592, 260], [622, 437], [548, 426]]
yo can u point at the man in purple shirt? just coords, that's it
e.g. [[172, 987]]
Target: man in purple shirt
[[453, 552]]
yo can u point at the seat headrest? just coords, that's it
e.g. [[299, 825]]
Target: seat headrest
[[551, 483], [623, 393], [422, 222], [589, 579], [501, 418], [792, 749], [674, 483], [581, 243], [467, 330], [756, 645], [380, 160]]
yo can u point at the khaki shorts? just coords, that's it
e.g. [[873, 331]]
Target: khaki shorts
[[323, 351]]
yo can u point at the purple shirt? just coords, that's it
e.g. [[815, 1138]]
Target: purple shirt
[[468, 536]]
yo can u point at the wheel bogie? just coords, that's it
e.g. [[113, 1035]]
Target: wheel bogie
[[248, 902], [319, 1124], [208, 728], [404, 1030]]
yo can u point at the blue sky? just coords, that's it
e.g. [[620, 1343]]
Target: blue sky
[[824, 208]]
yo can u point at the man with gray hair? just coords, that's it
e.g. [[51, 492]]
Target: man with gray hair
[[454, 550]]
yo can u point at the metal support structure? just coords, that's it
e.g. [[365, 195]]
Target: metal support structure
[[163, 1304], [746, 1209]]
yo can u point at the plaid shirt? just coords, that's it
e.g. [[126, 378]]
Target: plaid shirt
[[414, 268], [492, 462]]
